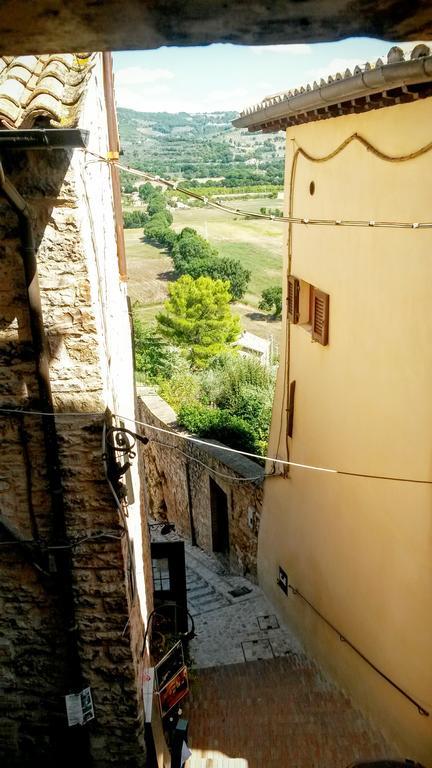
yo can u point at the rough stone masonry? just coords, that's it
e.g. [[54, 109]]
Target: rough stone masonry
[[79, 308]]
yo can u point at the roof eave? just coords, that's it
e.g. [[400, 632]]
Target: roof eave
[[365, 83]]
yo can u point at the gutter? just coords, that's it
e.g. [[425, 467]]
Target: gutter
[[365, 83]]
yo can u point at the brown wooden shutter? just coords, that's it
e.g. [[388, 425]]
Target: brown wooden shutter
[[320, 316], [291, 408], [293, 299]]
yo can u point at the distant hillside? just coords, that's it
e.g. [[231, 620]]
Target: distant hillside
[[199, 146]]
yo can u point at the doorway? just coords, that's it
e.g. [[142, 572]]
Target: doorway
[[219, 519]]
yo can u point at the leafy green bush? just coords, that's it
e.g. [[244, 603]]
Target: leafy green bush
[[271, 299], [134, 219], [241, 386], [232, 270], [190, 247], [156, 203], [193, 255], [146, 191], [182, 387], [154, 358], [219, 425]]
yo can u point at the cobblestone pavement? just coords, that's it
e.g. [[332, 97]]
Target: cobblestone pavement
[[256, 700]]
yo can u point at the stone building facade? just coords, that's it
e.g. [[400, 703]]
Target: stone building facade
[[212, 496], [77, 619]]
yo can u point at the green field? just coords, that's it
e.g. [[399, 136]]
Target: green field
[[256, 243]]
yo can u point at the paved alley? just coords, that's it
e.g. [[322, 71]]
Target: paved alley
[[256, 700]]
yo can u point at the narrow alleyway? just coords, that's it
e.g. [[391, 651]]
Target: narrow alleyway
[[256, 700]]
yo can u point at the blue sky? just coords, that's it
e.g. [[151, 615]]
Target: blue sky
[[220, 77]]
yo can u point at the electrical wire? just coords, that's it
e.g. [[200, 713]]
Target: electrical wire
[[368, 223], [274, 459], [70, 545], [224, 475]]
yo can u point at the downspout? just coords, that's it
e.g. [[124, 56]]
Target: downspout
[[62, 562], [113, 154]]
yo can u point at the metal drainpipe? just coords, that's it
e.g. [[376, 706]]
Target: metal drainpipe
[[79, 742], [113, 154]]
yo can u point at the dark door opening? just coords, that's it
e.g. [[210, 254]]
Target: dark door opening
[[219, 519], [169, 584]]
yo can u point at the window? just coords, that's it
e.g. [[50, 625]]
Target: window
[[161, 577], [320, 316], [293, 298], [308, 307]]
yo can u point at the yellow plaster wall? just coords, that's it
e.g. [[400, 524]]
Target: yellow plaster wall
[[359, 549]]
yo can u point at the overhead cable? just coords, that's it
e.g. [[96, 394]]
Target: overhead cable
[[367, 223], [227, 449]]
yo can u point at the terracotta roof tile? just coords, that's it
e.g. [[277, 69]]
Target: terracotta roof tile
[[50, 86], [401, 69]]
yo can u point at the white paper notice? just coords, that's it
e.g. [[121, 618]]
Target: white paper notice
[[185, 753], [79, 707]]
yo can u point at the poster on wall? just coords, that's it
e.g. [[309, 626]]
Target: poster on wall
[[171, 679], [168, 667], [173, 692], [79, 707]]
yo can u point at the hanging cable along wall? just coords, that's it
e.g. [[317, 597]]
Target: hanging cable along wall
[[336, 222], [209, 444]]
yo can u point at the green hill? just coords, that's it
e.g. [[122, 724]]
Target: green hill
[[200, 146]]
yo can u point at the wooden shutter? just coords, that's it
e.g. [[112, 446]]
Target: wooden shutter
[[291, 408], [320, 316], [293, 299]]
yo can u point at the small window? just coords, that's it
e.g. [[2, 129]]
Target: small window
[[320, 316], [161, 577], [293, 299]]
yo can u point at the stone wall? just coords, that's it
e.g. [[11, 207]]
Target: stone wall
[[90, 26], [87, 322], [178, 480]]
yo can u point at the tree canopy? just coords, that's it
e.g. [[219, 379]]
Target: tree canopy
[[193, 255], [198, 317], [271, 300]]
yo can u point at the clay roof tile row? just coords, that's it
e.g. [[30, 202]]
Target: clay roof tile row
[[395, 56], [50, 86]]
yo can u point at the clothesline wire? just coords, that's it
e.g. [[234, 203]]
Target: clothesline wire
[[367, 223], [222, 448]]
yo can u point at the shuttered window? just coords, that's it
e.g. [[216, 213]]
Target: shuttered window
[[320, 316], [293, 299]]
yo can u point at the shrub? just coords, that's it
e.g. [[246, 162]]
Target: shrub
[[146, 191], [182, 387], [134, 219], [154, 358], [156, 204], [220, 425], [271, 299]]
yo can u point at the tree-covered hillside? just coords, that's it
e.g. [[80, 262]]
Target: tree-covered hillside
[[200, 146]]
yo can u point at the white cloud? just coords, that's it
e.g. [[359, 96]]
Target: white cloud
[[147, 99], [141, 75], [334, 66], [143, 89], [296, 49]]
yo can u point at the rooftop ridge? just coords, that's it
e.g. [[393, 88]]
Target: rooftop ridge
[[401, 68]]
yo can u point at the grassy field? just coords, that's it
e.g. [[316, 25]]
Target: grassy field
[[256, 243]]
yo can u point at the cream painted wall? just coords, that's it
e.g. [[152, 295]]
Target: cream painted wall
[[359, 549]]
